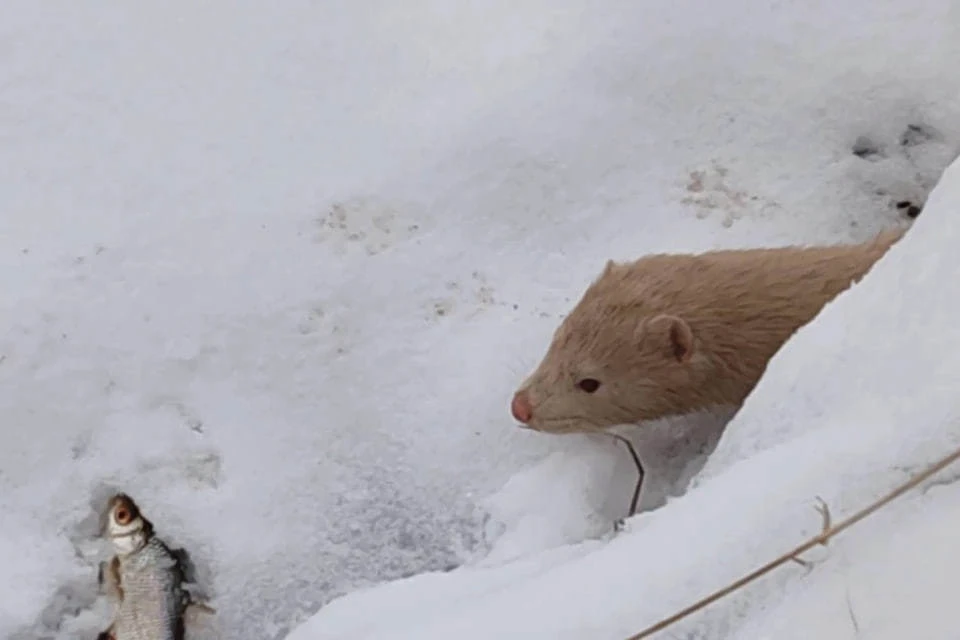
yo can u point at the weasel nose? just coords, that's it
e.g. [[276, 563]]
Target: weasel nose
[[520, 407]]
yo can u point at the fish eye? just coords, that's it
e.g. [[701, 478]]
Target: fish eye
[[589, 385], [121, 515]]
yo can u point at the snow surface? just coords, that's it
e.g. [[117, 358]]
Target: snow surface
[[275, 269]]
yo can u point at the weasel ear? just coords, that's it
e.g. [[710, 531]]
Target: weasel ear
[[607, 268], [673, 334]]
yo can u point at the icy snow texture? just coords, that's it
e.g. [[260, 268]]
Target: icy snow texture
[[275, 268], [858, 400]]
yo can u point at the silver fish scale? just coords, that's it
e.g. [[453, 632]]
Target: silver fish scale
[[153, 598]]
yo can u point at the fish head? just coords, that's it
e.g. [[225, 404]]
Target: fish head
[[125, 526]]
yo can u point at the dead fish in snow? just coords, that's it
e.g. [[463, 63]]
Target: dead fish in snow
[[145, 577]]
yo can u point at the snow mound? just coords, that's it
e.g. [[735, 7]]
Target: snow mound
[[857, 401]]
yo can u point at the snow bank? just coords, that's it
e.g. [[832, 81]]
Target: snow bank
[[858, 400]]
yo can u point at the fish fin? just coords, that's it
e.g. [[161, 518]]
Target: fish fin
[[201, 607], [108, 578], [198, 621], [188, 569]]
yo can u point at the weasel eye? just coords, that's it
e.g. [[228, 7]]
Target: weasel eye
[[589, 385]]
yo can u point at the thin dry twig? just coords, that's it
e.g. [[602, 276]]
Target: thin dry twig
[[826, 533], [853, 616], [640, 472], [824, 529]]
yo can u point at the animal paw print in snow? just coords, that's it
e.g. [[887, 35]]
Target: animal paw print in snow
[[904, 170], [362, 223], [709, 189]]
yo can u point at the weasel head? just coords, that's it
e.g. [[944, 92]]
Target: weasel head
[[619, 357]]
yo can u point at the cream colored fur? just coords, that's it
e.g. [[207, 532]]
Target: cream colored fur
[[670, 334]]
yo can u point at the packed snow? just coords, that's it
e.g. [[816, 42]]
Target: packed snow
[[274, 269]]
